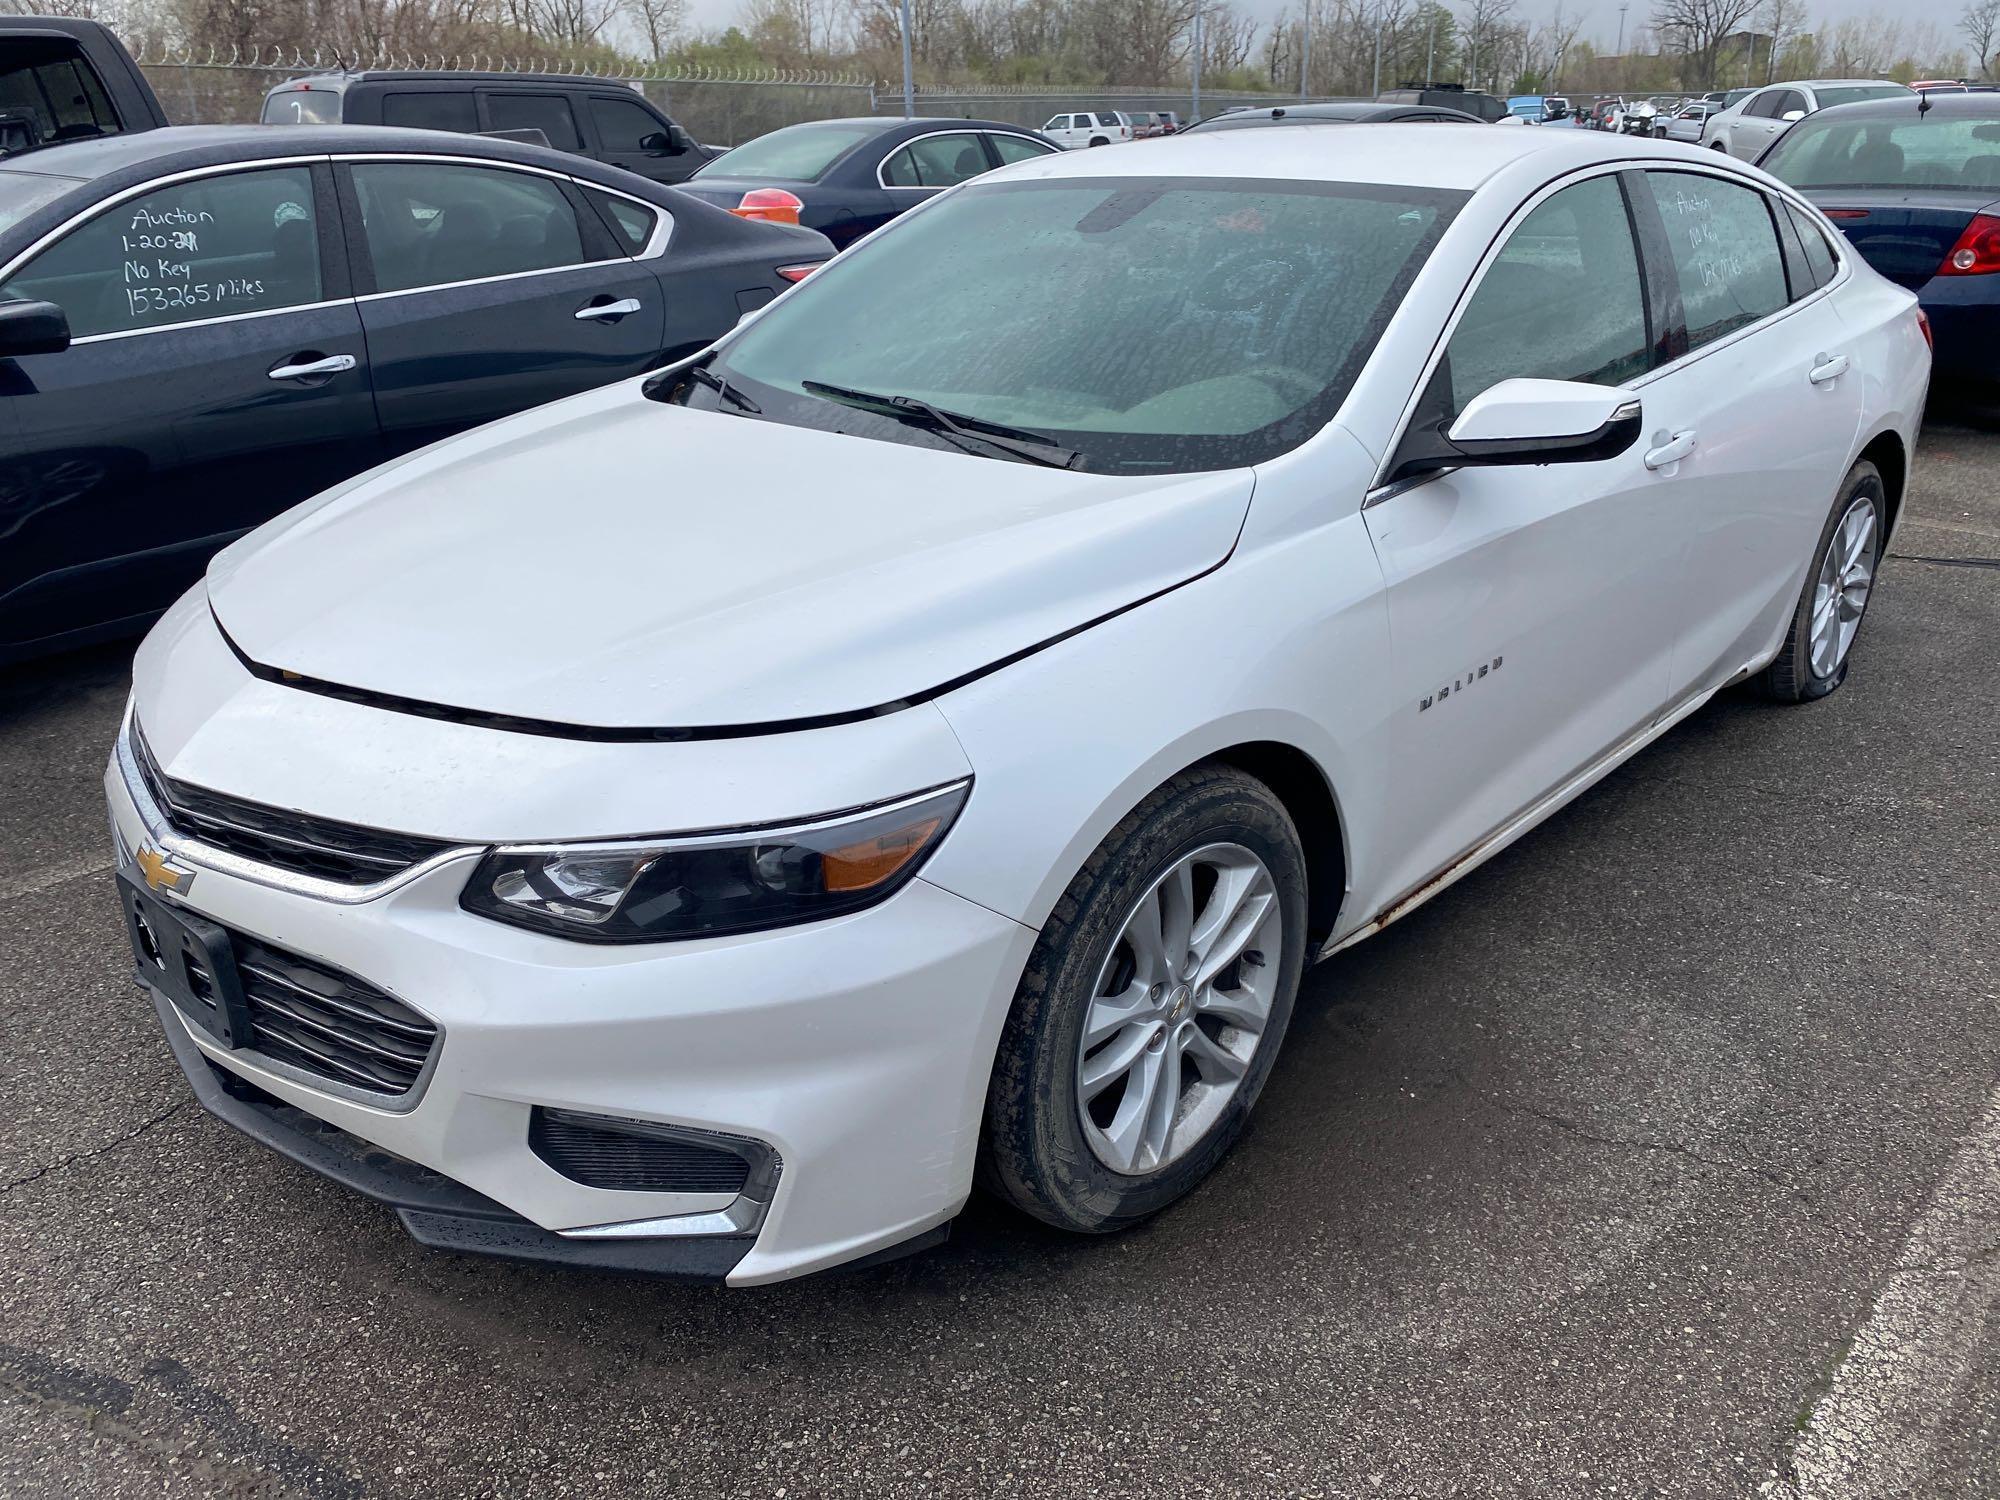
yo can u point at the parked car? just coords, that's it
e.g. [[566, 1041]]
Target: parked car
[[1745, 128], [195, 334], [598, 118], [63, 79], [1940, 86], [846, 178], [1345, 113], [1555, 107], [1917, 194], [1150, 124], [692, 826], [1690, 120], [1529, 109], [1636, 117], [1446, 96], [1102, 127]]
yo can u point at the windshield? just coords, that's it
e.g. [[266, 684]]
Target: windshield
[[302, 107], [798, 153], [21, 193], [1155, 326], [1920, 151], [1830, 97]]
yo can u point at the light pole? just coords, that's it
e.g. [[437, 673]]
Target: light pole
[[1194, 69], [1430, 47], [1306, 55], [909, 79], [1619, 50], [1376, 92]]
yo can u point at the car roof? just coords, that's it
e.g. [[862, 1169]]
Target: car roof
[[1395, 155], [1343, 109], [1840, 83], [183, 147], [1940, 106], [339, 81]]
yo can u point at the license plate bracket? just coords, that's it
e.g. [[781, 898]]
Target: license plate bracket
[[190, 960]]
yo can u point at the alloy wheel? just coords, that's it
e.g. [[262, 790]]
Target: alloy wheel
[[1179, 1009], [1840, 594]]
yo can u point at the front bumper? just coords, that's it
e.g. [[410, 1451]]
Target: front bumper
[[857, 1049]]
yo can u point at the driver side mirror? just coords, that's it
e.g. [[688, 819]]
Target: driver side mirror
[[659, 143], [1792, 116], [1526, 422], [32, 328]]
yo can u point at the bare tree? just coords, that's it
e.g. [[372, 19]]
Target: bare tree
[[1786, 17], [658, 21], [1981, 24], [1696, 28]]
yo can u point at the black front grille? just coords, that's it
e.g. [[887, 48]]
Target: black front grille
[[635, 1155], [324, 848], [328, 1023]]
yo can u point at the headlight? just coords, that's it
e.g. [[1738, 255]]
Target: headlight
[[656, 890]]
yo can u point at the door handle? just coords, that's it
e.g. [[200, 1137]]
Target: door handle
[[332, 364], [607, 312], [1670, 449], [1827, 367]]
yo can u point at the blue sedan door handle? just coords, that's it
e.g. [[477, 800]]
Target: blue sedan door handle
[[1827, 367], [311, 367], [607, 312]]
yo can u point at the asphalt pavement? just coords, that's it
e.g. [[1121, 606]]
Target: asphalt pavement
[[1658, 1157]]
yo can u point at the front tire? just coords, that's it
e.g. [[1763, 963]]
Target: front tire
[[1814, 658], [1152, 1008]]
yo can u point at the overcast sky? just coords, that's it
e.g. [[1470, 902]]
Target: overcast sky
[[1600, 25]]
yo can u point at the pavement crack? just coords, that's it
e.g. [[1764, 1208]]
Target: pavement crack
[[1949, 562], [111, 1145], [1629, 1143]]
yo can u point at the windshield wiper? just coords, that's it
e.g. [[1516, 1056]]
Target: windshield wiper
[[668, 384], [1030, 447]]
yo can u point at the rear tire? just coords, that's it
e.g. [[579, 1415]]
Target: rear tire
[[1098, 140], [1152, 1007], [1827, 620]]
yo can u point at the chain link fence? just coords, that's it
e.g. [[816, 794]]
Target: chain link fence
[[223, 86]]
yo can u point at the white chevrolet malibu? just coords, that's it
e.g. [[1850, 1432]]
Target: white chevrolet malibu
[[707, 824]]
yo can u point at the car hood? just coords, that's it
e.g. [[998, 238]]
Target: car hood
[[615, 562]]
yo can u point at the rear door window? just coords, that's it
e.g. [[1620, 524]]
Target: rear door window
[[1819, 254], [631, 222], [548, 113], [212, 247], [428, 224], [1725, 251], [432, 109], [1017, 148], [936, 161]]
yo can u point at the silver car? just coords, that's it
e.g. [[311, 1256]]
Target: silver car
[[1745, 129], [1689, 121]]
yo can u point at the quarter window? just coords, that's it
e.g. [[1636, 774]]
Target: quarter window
[[633, 222], [1573, 251], [432, 109], [1016, 148], [430, 225], [216, 246], [1725, 249], [1819, 254], [936, 161], [548, 113]]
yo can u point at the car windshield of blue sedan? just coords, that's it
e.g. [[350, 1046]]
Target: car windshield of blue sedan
[[798, 153], [1156, 326], [21, 193], [1921, 151]]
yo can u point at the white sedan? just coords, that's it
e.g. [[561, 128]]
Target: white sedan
[[703, 824]]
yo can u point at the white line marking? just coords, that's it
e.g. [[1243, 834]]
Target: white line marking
[[1875, 1433], [56, 874]]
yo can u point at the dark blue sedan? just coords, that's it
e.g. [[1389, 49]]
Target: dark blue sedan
[[1914, 183], [201, 327], [847, 177]]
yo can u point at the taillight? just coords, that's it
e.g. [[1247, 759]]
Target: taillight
[[798, 273], [1845, 213], [1977, 252], [1924, 327], [771, 205]]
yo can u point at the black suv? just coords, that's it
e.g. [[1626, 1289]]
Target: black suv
[[1447, 96], [595, 117], [68, 80]]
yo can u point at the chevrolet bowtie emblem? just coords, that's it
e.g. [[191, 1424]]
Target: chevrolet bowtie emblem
[[161, 876]]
